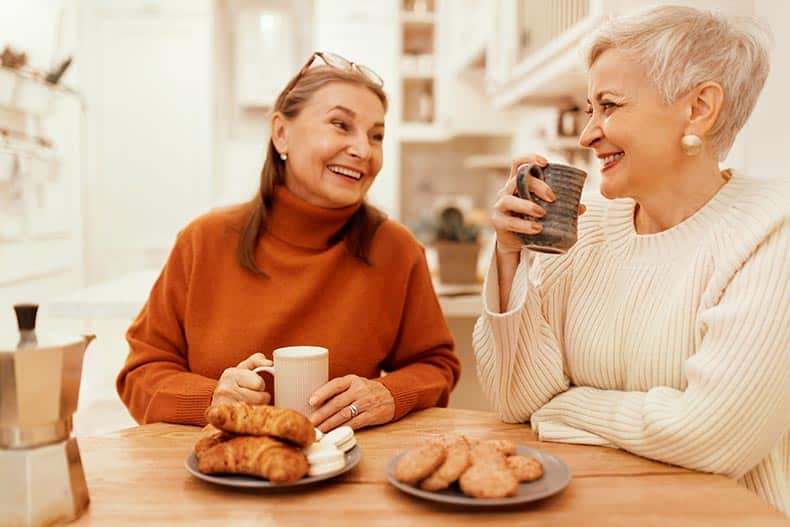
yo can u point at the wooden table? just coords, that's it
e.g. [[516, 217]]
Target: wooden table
[[137, 477]]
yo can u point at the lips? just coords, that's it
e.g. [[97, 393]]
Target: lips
[[345, 172], [610, 160]]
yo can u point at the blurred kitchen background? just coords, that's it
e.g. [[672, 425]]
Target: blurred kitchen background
[[122, 120]]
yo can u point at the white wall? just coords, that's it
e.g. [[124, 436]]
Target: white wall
[[242, 133], [766, 136], [761, 147], [34, 267], [149, 161], [367, 33]]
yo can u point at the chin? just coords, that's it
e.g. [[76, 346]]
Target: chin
[[343, 198], [611, 188]]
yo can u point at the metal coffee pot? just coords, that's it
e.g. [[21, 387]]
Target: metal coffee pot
[[41, 477]]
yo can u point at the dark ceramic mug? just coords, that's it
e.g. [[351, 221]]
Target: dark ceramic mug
[[562, 215]]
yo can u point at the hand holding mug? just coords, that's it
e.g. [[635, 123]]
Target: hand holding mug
[[511, 205], [508, 208], [351, 400], [242, 383]]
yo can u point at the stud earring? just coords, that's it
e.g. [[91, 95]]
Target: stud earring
[[283, 156], [691, 144]]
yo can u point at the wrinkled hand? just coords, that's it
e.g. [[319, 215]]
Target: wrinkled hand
[[374, 403], [243, 384], [508, 206]]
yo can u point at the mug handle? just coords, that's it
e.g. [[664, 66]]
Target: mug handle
[[522, 185], [267, 369]]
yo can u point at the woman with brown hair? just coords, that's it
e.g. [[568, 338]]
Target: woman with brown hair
[[307, 261]]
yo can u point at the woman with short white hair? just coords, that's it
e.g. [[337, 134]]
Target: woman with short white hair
[[665, 330]]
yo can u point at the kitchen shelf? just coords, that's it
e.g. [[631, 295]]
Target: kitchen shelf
[[412, 69], [488, 162], [472, 55], [423, 133], [550, 75], [565, 143], [22, 92], [409, 18]]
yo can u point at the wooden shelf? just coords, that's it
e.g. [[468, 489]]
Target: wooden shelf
[[472, 56], [422, 133], [412, 69], [409, 18], [488, 162], [20, 91], [550, 75], [566, 143]]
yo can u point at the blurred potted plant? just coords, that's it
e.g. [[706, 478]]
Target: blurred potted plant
[[9, 60], [456, 243]]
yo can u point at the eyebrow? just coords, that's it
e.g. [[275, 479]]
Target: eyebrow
[[600, 94], [351, 113]]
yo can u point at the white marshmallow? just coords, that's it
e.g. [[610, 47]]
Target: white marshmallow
[[325, 468], [328, 454], [339, 435]]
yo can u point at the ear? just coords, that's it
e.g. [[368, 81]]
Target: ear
[[704, 107], [280, 132]]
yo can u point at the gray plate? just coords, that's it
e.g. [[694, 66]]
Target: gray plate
[[251, 482], [556, 476]]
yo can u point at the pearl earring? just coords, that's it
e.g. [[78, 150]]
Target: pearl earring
[[283, 156], [691, 144]]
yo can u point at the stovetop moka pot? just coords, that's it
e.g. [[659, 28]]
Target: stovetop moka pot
[[42, 481]]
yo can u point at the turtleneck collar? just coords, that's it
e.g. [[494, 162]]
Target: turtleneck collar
[[684, 236], [299, 223]]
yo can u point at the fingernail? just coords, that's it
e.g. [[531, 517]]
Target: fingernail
[[552, 196], [311, 401]]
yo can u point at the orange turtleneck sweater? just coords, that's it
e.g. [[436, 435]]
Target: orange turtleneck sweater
[[206, 313]]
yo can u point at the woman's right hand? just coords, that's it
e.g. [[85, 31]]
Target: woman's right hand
[[508, 207], [243, 384]]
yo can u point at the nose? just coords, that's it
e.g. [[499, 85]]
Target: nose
[[359, 147], [591, 133]]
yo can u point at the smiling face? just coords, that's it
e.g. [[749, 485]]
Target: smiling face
[[634, 133], [334, 145]]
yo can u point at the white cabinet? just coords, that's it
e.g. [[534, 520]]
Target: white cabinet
[[536, 54], [463, 105], [265, 54], [148, 83], [364, 32]]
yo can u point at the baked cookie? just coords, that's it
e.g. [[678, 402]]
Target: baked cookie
[[487, 452], [418, 463], [457, 460], [525, 468], [488, 480]]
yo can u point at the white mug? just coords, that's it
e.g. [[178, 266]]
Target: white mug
[[298, 372]]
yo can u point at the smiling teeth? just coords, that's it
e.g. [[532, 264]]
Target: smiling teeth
[[345, 172], [612, 158]]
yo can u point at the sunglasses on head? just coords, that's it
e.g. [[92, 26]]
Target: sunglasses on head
[[336, 61]]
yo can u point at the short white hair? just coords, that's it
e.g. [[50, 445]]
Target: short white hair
[[682, 47]]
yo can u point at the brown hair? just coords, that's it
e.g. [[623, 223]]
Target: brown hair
[[361, 227]]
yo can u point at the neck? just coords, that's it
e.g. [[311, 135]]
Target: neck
[[301, 224], [678, 196]]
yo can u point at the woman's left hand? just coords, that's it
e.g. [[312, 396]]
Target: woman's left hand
[[333, 402]]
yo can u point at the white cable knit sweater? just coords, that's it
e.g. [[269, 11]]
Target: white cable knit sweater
[[674, 346]]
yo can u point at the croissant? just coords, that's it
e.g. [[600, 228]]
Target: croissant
[[209, 437], [256, 456], [262, 420]]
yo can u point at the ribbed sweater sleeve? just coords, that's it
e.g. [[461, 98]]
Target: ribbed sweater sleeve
[[736, 406], [517, 383], [155, 382], [422, 368]]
